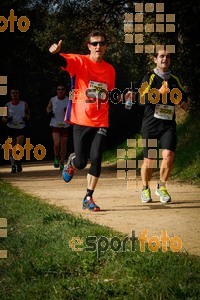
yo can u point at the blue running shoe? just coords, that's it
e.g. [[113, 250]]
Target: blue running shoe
[[68, 171], [88, 203]]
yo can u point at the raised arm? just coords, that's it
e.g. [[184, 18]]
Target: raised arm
[[55, 56], [55, 48]]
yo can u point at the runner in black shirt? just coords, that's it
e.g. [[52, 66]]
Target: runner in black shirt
[[160, 92]]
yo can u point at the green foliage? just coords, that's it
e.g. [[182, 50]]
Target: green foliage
[[187, 160], [25, 58]]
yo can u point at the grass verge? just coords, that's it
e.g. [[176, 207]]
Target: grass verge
[[41, 265]]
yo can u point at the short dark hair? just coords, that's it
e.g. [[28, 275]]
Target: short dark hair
[[96, 32]]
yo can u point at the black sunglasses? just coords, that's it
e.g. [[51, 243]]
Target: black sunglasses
[[60, 89], [103, 43]]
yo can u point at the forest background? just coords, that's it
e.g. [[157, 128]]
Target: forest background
[[25, 60]]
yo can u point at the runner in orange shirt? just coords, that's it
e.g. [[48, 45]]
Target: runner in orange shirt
[[91, 80]]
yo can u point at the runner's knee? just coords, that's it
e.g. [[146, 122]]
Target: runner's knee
[[95, 168], [168, 158], [79, 163], [148, 163]]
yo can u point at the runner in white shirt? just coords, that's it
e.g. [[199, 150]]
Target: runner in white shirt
[[17, 115], [59, 129]]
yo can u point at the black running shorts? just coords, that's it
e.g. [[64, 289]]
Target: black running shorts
[[165, 140]]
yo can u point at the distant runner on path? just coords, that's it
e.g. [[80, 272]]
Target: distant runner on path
[[60, 130], [18, 115]]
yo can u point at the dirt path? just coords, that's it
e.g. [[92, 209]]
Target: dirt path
[[121, 206]]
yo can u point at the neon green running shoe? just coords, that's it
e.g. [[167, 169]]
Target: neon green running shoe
[[146, 196], [163, 194]]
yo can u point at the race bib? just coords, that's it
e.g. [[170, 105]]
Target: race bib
[[164, 112], [97, 90]]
